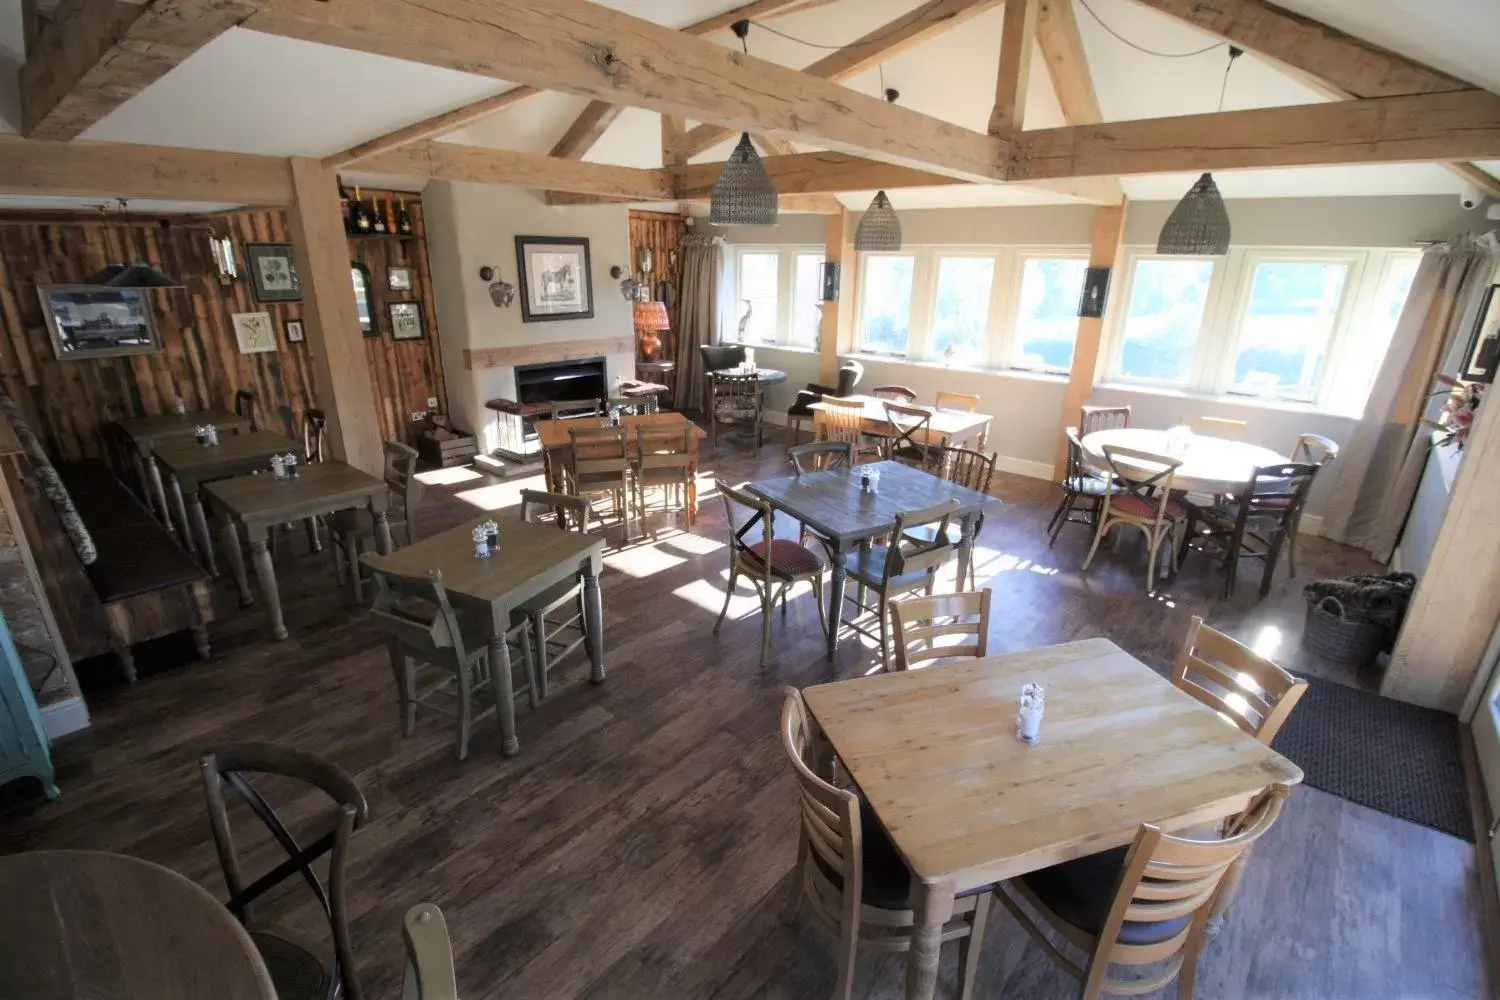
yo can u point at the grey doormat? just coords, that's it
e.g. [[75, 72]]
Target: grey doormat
[[1398, 758]]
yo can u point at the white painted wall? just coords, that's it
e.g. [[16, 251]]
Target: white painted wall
[[473, 225]]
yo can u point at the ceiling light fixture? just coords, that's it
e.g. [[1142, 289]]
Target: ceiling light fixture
[[1199, 225], [744, 194], [879, 228], [129, 275]]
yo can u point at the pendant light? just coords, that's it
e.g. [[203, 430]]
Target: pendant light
[[744, 194], [879, 228], [129, 275], [1199, 225]]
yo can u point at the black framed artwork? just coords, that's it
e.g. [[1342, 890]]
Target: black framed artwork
[[93, 321], [1483, 353], [294, 332], [363, 303], [1095, 293], [407, 322], [556, 281], [273, 276]]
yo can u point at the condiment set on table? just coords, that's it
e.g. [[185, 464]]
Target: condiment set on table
[[486, 539], [284, 466], [1029, 717], [207, 435]]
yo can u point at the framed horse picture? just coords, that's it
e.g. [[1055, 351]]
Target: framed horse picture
[[555, 279]]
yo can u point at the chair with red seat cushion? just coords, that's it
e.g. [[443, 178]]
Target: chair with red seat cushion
[[1145, 502], [788, 564], [1254, 522]]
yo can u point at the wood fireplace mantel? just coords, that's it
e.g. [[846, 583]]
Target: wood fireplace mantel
[[538, 354]]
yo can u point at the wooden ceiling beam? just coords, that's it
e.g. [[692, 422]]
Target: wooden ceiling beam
[[94, 55], [454, 162], [430, 128], [1068, 67], [822, 204], [584, 48], [1452, 126], [1017, 41], [888, 40], [82, 169]]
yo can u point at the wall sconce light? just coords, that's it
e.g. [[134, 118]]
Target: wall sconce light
[[221, 248], [502, 292], [829, 279]]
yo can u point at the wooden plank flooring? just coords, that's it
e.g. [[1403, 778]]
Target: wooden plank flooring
[[641, 846]]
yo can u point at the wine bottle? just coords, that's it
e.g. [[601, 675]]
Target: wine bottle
[[379, 213], [362, 221], [403, 220]]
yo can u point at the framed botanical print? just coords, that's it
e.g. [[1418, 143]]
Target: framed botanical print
[[406, 321], [400, 278], [1483, 355], [272, 273], [92, 321], [254, 332], [556, 282]]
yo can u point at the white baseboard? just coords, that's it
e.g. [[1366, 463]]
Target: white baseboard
[[63, 717], [1312, 524]]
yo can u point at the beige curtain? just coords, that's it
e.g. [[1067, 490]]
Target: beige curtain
[[697, 314], [1380, 469]]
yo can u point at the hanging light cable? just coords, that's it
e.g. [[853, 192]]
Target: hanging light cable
[[1199, 225], [129, 275], [879, 228], [744, 194]]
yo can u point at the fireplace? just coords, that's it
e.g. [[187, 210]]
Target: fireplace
[[537, 387]]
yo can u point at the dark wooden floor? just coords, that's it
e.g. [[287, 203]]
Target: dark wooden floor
[[641, 845]]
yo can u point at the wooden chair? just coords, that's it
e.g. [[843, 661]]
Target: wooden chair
[[735, 400], [820, 456], [918, 622], [664, 460], [1222, 427], [961, 401], [849, 874], [1140, 906], [599, 464], [440, 660], [906, 433], [850, 372], [314, 434], [844, 420], [1102, 418], [974, 470], [1310, 449], [1252, 523], [244, 407], [907, 564], [349, 530], [551, 636], [894, 394], [1146, 504], [1232, 679], [772, 565], [1083, 492], [300, 969], [429, 956], [577, 409]]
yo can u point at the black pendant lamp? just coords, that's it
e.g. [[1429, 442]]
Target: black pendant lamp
[[129, 275], [879, 228], [1199, 225], [744, 194]]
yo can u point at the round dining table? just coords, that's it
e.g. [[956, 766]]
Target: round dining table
[[1209, 464], [86, 924], [763, 376]]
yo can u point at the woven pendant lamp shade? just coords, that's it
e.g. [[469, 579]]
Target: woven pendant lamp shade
[[743, 195], [1199, 225], [879, 228]]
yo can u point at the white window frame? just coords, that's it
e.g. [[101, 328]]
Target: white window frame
[[1008, 339], [1119, 307], [786, 290], [915, 326]]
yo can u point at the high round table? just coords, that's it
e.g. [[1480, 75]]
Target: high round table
[[1209, 465], [85, 924], [763, 376]]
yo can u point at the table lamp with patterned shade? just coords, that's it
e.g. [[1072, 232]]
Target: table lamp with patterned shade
[[650, 320]]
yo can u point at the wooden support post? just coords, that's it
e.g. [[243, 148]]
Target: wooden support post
[[321, 253], [672, 129], [837, 329], [1016, 42], [1104, 250]]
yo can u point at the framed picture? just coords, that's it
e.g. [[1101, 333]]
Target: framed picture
[[556, 282], [400, 279], [294, 332], [1095, 292], [406, 321], [272, 273], [254, 332], [363, 304], [91, 321], [1483, 354]]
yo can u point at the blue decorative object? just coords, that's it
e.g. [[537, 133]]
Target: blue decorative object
[[24, 747]]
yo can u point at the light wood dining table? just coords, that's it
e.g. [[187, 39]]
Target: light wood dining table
[[1209, 464], [531, 559], [959, 426], [145, 433], [968, 804], [85, 925], [556, 443]]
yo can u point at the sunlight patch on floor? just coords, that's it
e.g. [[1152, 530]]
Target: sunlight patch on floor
[[694, 544], [498, 496], [709, 595], [448, 477], [642, 561], [1267, 641]]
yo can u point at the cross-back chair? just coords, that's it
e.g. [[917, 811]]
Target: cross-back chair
[[918, 547], [894, 394], [771, 565], [821, 456], [1144, 502], [849, 874], [921, 625], [554, 636], [1254, 522], [429, 955], [350, 530], [300, 969], [906, 432], [972, 469]]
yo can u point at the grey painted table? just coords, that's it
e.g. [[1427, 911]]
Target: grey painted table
[[832, 504], [145, 433]]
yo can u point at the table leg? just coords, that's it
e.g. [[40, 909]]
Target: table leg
[[984, 433], [182, 518], [382, 533], [265, 575], [932, 907], [200, 532], [314, 539], [593, 610], [965, 549], [230, 536], [505, 693], [837, 575], [144, 481], [153, 473]]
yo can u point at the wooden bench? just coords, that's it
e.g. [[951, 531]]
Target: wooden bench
[[143, 585]]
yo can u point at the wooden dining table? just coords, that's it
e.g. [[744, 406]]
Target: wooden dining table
[[960, 426], [257, 504], [556, 442], [189, 465], [1209, 464], [968, 804], [85, 925], [144, 433], [532, 558], [832, 504]]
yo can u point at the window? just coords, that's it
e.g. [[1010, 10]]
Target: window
[[885, 303], [1159, 333], [807, 286], [1047, 312], [961, 312], [1285, 326], [755, 312]]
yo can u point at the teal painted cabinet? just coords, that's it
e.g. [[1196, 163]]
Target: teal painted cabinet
[[24, 748]]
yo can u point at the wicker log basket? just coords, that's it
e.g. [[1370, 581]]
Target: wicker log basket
[[1352, 619]]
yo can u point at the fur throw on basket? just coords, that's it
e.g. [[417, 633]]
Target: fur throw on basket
[[1370, 597]]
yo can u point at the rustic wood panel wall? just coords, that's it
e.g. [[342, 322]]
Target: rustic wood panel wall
[[200, 360], [662, 232]]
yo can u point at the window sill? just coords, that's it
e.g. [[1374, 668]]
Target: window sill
[[1250, 402], [1020, 373]]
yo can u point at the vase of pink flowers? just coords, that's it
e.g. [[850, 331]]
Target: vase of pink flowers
[[1453, 423]]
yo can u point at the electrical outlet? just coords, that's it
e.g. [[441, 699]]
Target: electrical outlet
[[417, 416], [432, 402]]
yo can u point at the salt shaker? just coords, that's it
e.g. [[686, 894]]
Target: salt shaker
[[864, 481], [1029, 719], [492, 535], [291, 464], [481, 542], [212, 434], [278, 466], [874, 480], [201, 433]]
